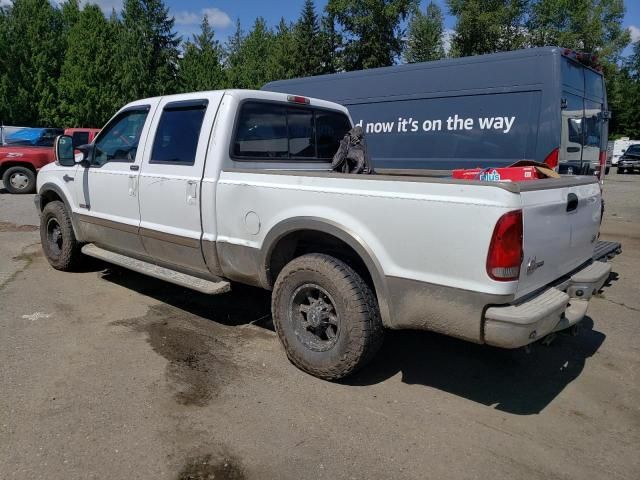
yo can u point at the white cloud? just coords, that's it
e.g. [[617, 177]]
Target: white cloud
[[217, 18], [187, 18], [635, 33]]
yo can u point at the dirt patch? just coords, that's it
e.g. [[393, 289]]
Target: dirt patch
[[209, 468], [13, 227], [28, 255], [199, 363]]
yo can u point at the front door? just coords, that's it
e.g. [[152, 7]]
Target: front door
[[171, 180], [108, 188]]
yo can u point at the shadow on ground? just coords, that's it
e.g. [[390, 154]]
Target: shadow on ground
[[241, 306], [512, 381]]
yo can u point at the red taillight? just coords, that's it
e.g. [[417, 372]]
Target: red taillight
[[603, 164], [552, 158], [298, 99], [505, 250]]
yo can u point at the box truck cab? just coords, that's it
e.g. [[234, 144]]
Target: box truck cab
[[545, 104]]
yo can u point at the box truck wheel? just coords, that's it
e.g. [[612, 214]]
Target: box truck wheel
[[326, 316], [19, 180]]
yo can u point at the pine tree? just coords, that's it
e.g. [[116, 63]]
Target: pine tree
[[148, 50], [425, 40], [283, 59], [5, 104], [87, 93], [372, 30], [486, 26], [588, 25], [31, 57], [232, 58], [250, 62], [201, 65], [331, 44], [308, 55]]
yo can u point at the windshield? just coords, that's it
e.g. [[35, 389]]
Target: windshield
[[633, 150]]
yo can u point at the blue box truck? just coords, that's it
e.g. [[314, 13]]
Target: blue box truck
[[545, 104]]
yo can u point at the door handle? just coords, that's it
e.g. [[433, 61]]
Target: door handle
[[572, 202], [67, 178], [133, 184], [192, 192], [134, 168], [573, 149]]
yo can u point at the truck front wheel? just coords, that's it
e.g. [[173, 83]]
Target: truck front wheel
[[19, 180], [326, 316], [58, 240]]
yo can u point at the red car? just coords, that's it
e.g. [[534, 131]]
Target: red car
[[24, 151]]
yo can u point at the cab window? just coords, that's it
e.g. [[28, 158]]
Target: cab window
[[119, 140], [178, 132], [266, 130]]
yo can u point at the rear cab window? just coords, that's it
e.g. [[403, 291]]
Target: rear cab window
[[276, 131]]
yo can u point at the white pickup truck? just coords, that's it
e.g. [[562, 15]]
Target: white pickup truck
[[208, 188]]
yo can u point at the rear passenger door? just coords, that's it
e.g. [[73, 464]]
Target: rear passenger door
[[171, 179]]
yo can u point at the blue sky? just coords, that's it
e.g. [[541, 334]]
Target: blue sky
[[223, 13]]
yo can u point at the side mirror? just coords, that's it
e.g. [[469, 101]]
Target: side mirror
[[64, 151], [67, 155]]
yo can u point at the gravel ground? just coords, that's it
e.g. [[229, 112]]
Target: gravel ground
[[109, 374]]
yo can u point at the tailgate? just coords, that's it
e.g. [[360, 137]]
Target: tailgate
[[561, 223]]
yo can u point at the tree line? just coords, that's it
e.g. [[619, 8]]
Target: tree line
[[69, 64]]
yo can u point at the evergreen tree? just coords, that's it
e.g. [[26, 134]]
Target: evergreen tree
[[425, 40], [308, 52], [70, 14], [232, 58], [331, 45], [283, 59], [87, 92], [250, 66], [372, 30], [201, 65], [31, 61], [487, 26], [623, 95], [5, 105], [588, 25], [148, 50]]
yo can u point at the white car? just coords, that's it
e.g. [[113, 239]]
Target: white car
[[206, 188]]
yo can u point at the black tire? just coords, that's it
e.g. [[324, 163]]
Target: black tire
[[351, 332], [606, 170], [19, 180], [58, 240], [620, 171]]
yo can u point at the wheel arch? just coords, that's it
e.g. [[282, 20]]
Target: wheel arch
[[50, 192], [282, 244], [4, 166]]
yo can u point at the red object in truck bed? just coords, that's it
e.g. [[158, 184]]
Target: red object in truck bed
[[506, 174]]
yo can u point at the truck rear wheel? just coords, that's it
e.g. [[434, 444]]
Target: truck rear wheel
[[19, 180], [58, 240], [326, 316]]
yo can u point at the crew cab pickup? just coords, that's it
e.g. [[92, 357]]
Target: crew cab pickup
[[209, 188]]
